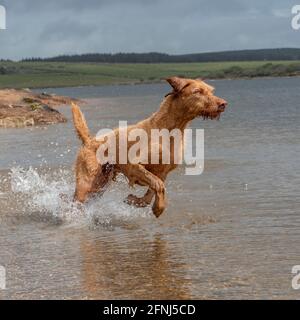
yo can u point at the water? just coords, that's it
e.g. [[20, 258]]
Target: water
[[231, 233]]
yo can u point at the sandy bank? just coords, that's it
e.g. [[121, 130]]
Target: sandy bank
[[21, 108]]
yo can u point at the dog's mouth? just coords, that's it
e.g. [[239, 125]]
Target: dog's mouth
[[211, 115], [214, 114]]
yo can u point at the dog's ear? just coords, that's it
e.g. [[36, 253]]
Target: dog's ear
[[177, 83]]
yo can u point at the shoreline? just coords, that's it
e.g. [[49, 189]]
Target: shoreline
[[22, 108], [134, 83]]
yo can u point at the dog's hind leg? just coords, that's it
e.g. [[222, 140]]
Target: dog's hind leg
[[82, 191], [141, 202]]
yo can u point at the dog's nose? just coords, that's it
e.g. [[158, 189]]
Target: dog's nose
[[222, 105]]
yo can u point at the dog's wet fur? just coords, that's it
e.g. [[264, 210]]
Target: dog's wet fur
[[188, 100]]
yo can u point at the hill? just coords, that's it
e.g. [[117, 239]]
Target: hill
[[283, 54]]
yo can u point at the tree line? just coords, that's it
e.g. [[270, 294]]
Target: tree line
[[156, 57]]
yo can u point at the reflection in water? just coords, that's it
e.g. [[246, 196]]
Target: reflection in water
[[141, 269]]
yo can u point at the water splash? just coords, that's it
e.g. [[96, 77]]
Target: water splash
[[51, 192]]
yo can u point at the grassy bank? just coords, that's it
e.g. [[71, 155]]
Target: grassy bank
[[60, 74]]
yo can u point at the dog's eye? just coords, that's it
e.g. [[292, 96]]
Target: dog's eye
[[198, 91]]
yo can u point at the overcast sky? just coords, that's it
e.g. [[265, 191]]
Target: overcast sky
[[52, 27]]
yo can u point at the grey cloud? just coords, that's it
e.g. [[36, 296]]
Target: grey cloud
[[40, 28]]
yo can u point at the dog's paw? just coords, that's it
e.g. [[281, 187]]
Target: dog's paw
[[159, 206], [135, 201], [158, 210]]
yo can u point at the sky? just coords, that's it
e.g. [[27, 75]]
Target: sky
[[46, 28]]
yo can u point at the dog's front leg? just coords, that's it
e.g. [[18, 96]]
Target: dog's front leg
[[137, 174]]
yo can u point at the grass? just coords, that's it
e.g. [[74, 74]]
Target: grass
[[59, 74]]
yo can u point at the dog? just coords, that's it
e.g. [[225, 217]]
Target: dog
[[188, 100]]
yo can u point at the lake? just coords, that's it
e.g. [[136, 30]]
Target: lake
[[231, 233]]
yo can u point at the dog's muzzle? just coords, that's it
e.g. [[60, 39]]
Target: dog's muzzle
[[222, 106]]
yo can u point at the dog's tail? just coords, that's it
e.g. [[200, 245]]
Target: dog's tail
[[80, 124]]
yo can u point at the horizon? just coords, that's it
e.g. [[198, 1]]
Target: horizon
[[145, 53]]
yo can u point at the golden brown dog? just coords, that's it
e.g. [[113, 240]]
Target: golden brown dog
[[188, 100]]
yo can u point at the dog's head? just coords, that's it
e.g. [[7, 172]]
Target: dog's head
[[196, 98]]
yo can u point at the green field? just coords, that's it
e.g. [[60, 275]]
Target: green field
[[60, 74]]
